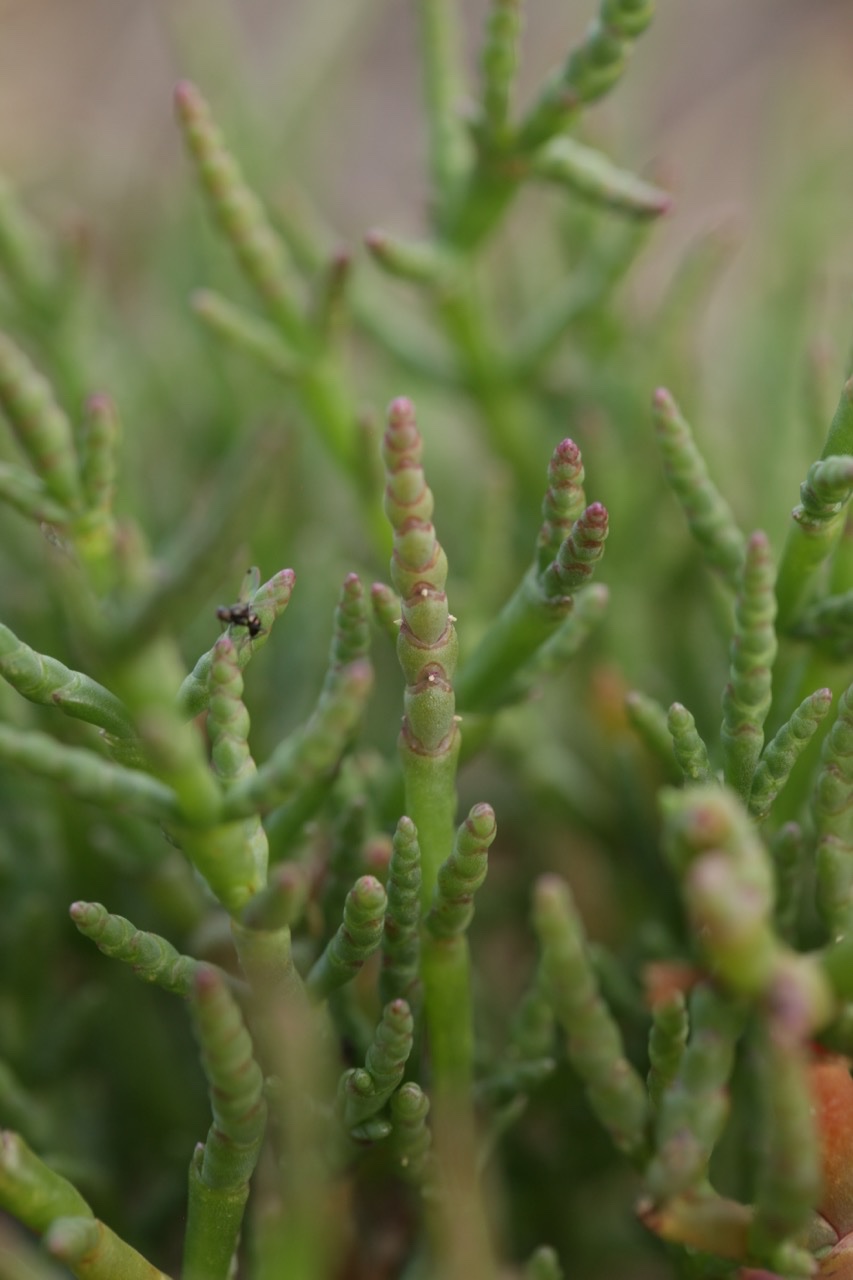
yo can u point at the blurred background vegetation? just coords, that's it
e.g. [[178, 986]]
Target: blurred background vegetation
[[739, 300]]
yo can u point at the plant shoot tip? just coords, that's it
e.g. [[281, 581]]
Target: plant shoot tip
[[401, 412]]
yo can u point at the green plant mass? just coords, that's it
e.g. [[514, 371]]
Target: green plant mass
[[396, 673]]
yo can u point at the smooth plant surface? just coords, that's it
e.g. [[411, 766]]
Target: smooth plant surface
[[495, 835]]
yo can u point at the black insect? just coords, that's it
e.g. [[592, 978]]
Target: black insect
[[240, 615]]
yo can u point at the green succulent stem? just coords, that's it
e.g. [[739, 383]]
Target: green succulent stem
[[833, 819], [364, 1092], [239, 213], [818, 526], [728, 883], [709, 516], [694, 1106], [88, 776], [40, 1198], [228, 730], [667, 1039], [498, 67], [267, 602], [400, 976], [358, 937], [789, 1179], [440, 43], [589, 174], [310, 753], [543, 1264], [41, 426], [93, 1252], [47, 681], [426, 646], [221, 1167], [595, 1048], [746, 699], [781, 754], [150, 957], [445, 962], [411, 1140], [591, 70], [569, 545], [689, 748], [651, 722]]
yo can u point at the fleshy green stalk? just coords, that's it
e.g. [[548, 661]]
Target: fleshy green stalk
[[440, 44], [543, 1265], [26, 259], [355, 941], [29, 495], [401, 944], [728, 884], [93, 1252], [268, 602], [590, 71], [693, 1110], [221, 1168], [364, 1092], [40, 425], [351, 630], [45, 680], [787, 848], [708, 514], [95, 532], [563, 502], [419, 261], [386, 609], [576, 559], [551, 659], [746, 699], [689, 747], [588, 173], [38, 1198], [498, 68], [445, 956], [818, 526], [411, 1140], [310, 753], [569, 545], [667, 1039], [240, 328], [832, 806], [426, 646], [616, 1092], [228, 729], [784, 750], [239, 213], [151, 957], [651, 722], [789, 1176], [87, 776]]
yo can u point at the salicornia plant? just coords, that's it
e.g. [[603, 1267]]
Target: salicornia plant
[[371, 841]]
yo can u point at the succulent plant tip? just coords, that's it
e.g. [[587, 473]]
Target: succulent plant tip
[[401, 412], [758, 541], [662, 399], [205, 981], [185, 96], [568, 452]]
